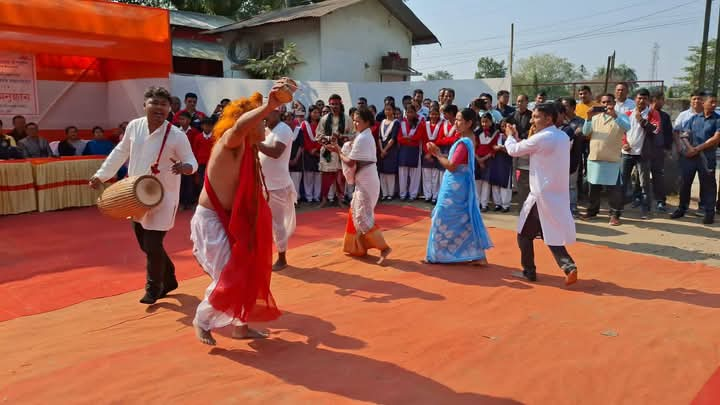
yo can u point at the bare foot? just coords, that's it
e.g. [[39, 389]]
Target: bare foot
[[571, 278], [383, 255], [204, 336], [323, 203], [244, 332], [480, 262], [341, 204]]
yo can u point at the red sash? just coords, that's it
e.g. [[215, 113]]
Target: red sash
[[243, 290]]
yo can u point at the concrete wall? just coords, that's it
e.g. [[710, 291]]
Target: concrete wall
[[211, 90], [357, 36], [304, 33]]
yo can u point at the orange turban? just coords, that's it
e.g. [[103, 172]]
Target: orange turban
[[233, 111]]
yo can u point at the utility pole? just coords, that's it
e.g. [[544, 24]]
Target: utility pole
[[512, 49], [607, 74], [704, 47], [716, 75]]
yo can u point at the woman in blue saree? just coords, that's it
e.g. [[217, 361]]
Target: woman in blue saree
[[457, 233]]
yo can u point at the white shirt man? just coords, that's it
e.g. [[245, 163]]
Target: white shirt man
[[164, 152], [275, 160], [621, 107], [546, 211]]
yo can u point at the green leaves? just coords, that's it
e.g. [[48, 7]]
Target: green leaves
[[276, 66], [439, 75]]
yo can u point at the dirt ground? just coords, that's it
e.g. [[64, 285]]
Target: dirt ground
[[684, 240]]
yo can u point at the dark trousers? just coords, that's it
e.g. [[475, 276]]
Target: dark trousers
[[187, 189], [531, 230], [643, 167], [657, 173], [199, 182], [708, 185], [160, 269], [615, 199]]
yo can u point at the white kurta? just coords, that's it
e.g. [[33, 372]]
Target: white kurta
[[549, 153], [142, 148]]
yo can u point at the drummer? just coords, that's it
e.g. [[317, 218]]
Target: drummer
[[153, 146]]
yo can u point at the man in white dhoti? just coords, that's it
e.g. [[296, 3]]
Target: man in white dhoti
[[274, 159], [546, 212], [154, 146]]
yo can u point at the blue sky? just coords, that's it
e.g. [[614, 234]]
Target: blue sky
[[584, 32]]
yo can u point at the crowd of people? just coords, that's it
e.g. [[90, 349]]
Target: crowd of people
[[246, 165], [619, 145]]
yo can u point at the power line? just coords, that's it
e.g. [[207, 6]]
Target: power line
[[535, 45], [589, 33], [671, 22], [542, 28]]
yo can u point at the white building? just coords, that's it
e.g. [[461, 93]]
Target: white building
[[337, 40]]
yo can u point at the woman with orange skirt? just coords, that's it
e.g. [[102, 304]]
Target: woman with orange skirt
[[359, 160]]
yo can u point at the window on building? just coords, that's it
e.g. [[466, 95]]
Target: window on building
[[270, 48]]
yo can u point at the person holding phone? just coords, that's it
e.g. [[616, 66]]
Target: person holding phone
[[604, 131]]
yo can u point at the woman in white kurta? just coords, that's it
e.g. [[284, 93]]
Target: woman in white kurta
[[360, 169], [546, 212]]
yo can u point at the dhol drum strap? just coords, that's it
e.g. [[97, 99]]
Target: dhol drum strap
[[154, 168]]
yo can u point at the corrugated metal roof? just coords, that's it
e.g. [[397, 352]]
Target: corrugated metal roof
[[198, 20], [189, 48], [421, 34]]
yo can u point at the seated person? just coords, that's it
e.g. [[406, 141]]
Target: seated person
[[72, 145], [8, 147], [33, 145], [99, 145]]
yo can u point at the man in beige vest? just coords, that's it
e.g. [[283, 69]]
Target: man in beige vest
[[605, 130]]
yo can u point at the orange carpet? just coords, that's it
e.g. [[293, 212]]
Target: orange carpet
[[635, 330], [55, 259]]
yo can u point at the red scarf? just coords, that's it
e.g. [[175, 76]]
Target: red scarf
[[310, 144], [243, 290]]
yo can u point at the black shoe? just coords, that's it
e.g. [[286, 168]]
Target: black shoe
[[677, 214], [498, 208], [484, 209], [661, 207], [636, 203], [709, 219], [506, 210], [169, 286], [525, 274], [148, 298]]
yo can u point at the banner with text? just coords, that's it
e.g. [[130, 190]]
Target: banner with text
[[18, 85]]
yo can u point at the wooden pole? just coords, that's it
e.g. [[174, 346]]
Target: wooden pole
[[704, 46]]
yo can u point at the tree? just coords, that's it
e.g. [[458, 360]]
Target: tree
[[276, 66], [439, 75], [691, 79], [535, 70], [621, 73], [240, 9], [489, 68]]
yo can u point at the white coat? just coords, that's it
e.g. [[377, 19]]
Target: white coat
[[549, 153]]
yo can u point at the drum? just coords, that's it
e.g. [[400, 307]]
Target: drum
[[131, 198]]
